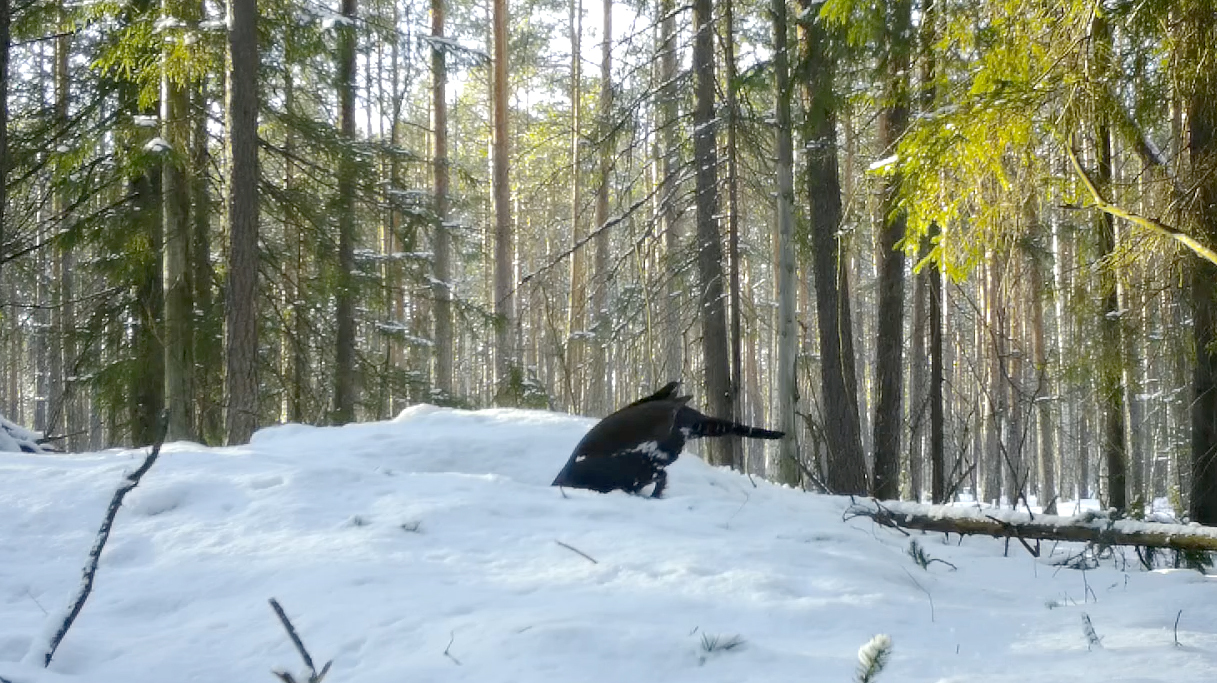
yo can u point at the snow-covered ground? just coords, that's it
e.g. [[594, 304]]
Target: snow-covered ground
[[430, 548]]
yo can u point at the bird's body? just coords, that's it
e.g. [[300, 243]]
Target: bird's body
[[629, 449]]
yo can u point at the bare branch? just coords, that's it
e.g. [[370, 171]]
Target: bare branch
[[103, 534], [573, 549], [313, 675]]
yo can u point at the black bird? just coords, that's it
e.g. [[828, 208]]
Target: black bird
[[629, 449]]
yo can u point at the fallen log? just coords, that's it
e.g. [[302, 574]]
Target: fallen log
[[1092, 527]]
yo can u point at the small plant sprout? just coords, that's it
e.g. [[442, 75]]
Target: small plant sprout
[[872, 657], [1092, 637], [922, 558], [710, 644]]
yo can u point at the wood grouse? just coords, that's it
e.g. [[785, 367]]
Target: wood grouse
[[629, 449]]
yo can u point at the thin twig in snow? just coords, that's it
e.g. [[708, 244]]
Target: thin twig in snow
[[313, 675], [451, 639], [573, 549]]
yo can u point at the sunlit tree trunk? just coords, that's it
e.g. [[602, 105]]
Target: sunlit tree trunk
[[242, 319], [598, 387], [442, 285], [576, 311], [787, 283], [345, 385], [504, 299]]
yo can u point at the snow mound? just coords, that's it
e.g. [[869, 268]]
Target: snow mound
[[17, 439], [432, 548]]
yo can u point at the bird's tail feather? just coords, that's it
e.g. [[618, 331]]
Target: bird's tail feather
[[713, 426]]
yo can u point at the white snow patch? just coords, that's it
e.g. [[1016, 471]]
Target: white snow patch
[[391, 543], [157, 145], [884, 163]]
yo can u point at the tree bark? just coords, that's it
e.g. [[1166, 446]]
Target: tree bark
[[845, 465], [929, 97], [1111, 390], [242, 320], [504, 301], [576, 310], [1202, 143], [598, 390], [175, 205], [5, 45], [1091, 528], [345, 386], [1046, 449], [733, 443], [787, 284], [669, 98], [208, 320], [709, 241], [889, 342], [73, 422], [442, 285]]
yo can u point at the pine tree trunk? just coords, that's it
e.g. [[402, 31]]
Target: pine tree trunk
[[1202, 118], [147, 394], [442, 286], [345, 386], [669, 98], [175, 204], [1111, 390], [988, 336], [65, 312], [734, 444], [1046, 451], [709, 242], [918, 396], [845, 465], [208, 333], [5, 43], [576, 310], [242, 321], [937, 426], [504, 301], [889, 342], [787, 283], [598, 391]]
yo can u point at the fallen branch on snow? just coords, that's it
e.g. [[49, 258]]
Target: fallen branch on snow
[[313, 675], [103, 534], [1095, 528]]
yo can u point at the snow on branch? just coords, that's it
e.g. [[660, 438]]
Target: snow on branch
[[1098, 528]]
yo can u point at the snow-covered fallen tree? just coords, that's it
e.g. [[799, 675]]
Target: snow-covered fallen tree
[[1093, 527], [17, 439]]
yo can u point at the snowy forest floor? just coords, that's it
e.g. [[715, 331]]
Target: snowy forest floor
[[432, 548]]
